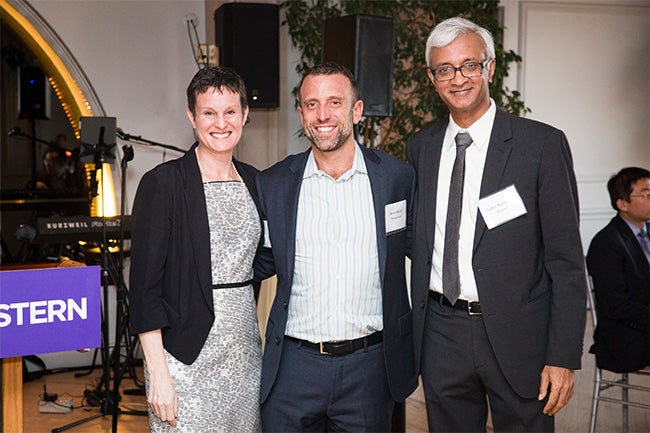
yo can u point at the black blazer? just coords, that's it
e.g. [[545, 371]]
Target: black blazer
[[529, 271], [171, 276], [621, 279], [391, 181]]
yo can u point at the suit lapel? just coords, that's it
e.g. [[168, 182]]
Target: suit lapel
[[633, 246], [430, 166], [198, 220], [495, 163], [291, 190], [378, 180]]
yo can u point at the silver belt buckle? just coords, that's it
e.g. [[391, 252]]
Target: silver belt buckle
[[470, 312], [322, 351]]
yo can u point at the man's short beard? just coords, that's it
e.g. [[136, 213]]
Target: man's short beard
[[336, 142]]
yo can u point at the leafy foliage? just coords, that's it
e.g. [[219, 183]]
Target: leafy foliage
[[415, 103]]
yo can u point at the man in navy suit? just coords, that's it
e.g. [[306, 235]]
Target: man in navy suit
[[339, 350], [497, 279], [618, 264]]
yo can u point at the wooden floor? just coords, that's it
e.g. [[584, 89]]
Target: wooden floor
[[67, 386], [574, 418]]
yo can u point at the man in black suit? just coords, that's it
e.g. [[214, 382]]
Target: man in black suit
[[497, 281], [339, 348], [618, 264]]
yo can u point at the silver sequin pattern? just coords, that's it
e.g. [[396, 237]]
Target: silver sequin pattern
[[219, 392]]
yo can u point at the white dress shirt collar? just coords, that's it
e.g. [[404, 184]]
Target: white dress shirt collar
[[358, 165], [480, 130]]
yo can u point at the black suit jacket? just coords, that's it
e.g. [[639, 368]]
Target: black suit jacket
[[529, 271], [391, 181], [621, 280], [171, 270]]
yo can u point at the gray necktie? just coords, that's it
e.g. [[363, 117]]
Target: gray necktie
[[645, 243], [450, 272]]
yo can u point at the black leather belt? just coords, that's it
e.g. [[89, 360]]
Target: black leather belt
[[232, 285], [472, 308], [343, 347]]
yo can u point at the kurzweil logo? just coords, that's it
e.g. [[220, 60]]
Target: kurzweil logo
[[67, 225]]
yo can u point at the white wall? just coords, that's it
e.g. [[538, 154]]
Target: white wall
[[585, 70]]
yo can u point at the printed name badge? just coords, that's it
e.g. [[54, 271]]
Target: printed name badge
[[395, 216], [267, 238], [501, 207]]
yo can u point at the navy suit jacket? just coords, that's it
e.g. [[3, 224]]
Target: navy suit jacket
[[171, 272], [529, 271], [391, 181], [621, 278]]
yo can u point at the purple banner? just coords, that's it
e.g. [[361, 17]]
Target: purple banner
[[49, 310]]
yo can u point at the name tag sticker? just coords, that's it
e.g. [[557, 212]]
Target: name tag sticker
[[267, 238], [395, 216], [501, 207]]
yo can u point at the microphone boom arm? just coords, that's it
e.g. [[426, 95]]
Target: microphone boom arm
[[138, 139]]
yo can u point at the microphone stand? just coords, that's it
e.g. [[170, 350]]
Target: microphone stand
[[108, 404], [131, 343], [122, 328]]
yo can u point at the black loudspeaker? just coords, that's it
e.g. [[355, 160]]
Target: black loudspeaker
[[364, 44], [32, 98], [247, 35]]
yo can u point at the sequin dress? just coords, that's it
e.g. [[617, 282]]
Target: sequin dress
[[219, 392]]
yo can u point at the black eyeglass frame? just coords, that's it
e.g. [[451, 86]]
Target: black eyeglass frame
[[482, 64]]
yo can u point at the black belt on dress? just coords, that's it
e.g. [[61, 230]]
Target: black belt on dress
[[231, 285], [471, 308], [343, 347]]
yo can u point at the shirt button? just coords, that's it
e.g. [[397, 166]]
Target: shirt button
[[285, 305]]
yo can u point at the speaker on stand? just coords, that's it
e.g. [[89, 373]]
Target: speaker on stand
[[365, 45], [247, 35], [32, 95], [32, 103]]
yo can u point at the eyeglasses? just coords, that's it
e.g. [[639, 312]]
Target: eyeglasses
[[644, 195], [467, 70]]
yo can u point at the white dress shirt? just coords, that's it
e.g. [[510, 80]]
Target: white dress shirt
[[475, 154], [336, 292]]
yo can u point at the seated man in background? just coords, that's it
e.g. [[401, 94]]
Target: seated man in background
[[618, 260], [62, 172], [53, 174]]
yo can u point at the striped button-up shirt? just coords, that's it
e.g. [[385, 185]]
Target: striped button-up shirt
[[336, 292]]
